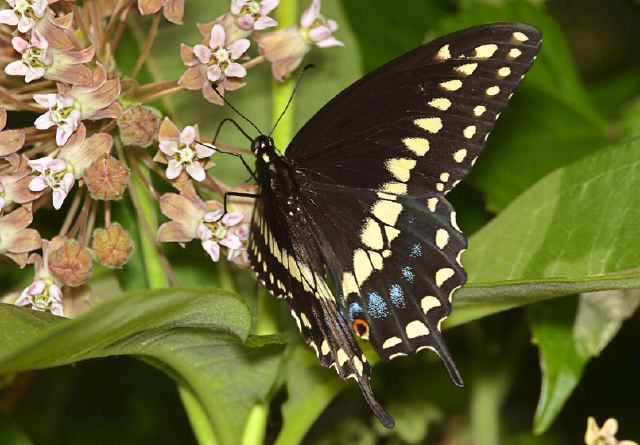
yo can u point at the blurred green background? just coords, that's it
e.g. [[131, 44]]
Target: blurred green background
[[582, 96]]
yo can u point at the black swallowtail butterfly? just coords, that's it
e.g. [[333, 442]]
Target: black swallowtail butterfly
[[353, 228]]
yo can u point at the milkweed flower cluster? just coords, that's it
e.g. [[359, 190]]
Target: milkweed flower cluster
[[84, 126], [605, 435]]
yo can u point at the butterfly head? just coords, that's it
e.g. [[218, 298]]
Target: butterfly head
[[263, 144]]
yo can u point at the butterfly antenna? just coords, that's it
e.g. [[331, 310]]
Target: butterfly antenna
[[298, 79], [215, 88]]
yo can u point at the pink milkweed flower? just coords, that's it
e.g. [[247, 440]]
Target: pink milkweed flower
[[173, 9], [192, 218], [219, 56], [43, 296], [317, 29], [24, 13], [60, 173], [45, 292], [214, 62], [214, 232], [286, 47], [95, 101], [40, 60], [180, 151], [63, 112], [16, 240], [243, 205], [251, 14]]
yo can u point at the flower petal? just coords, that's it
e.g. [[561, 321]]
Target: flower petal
[[233, 218], [214, 73], [37, 184], [310, 14], [174, 168], [173, 232], [59, 195], [238, 48], [235, 70], [44, 121], [231, 241], [8, 17], [331, 41], [188, 135], [264, 22], [212, 248], [202, 151], [203, 53], [218, 37], [196, 171]]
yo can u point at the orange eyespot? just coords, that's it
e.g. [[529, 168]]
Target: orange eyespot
[[361, 328]]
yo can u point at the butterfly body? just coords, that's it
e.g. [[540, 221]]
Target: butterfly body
[[353, 228]]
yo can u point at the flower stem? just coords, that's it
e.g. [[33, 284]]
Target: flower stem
[[286, 14], [145, 207], [146, 49]]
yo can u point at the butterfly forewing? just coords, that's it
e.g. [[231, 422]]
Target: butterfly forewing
[[418, 123]]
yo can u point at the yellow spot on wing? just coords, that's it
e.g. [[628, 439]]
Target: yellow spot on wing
[[401, 167], [443, 275], [441, 103], [432, 203], [376, 260], [417, 145], [492, 91], [459, 155], [416, 328], [469, 131], [443, 53], [451, 85], [397, 188], [392, 233], [442, 238], [520, 36], [430, 124], [428, 302], [514, 53], [391, 342], [467, 69], [342, 357], [349, 285], [486, 51], [362, 266], [387, 211], [479, 110], [504, 71], [371, 234]]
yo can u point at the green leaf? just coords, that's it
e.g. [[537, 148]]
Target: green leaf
[[310, 389], [550, 122], [195, 336], [579, 221], [393, 29], [575, 231]]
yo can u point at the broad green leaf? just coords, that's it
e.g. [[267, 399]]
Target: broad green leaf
[[550, 121], [393, 29], [196, 336], [574, 231], [579, 221]]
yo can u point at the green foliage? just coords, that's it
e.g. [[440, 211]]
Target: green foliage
[[553, 204]]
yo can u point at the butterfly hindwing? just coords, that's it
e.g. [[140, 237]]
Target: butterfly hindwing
[[418, 123], [396, 276], [288, 263]]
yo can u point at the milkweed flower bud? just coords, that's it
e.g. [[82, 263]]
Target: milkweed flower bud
[[71, 263], [106, 178], [113, 246], [138, 126]]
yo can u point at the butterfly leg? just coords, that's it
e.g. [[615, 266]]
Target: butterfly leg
[[238, 194]]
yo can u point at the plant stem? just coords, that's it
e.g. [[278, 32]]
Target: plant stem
[[197, 417], [143, 200], [286, 14]]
